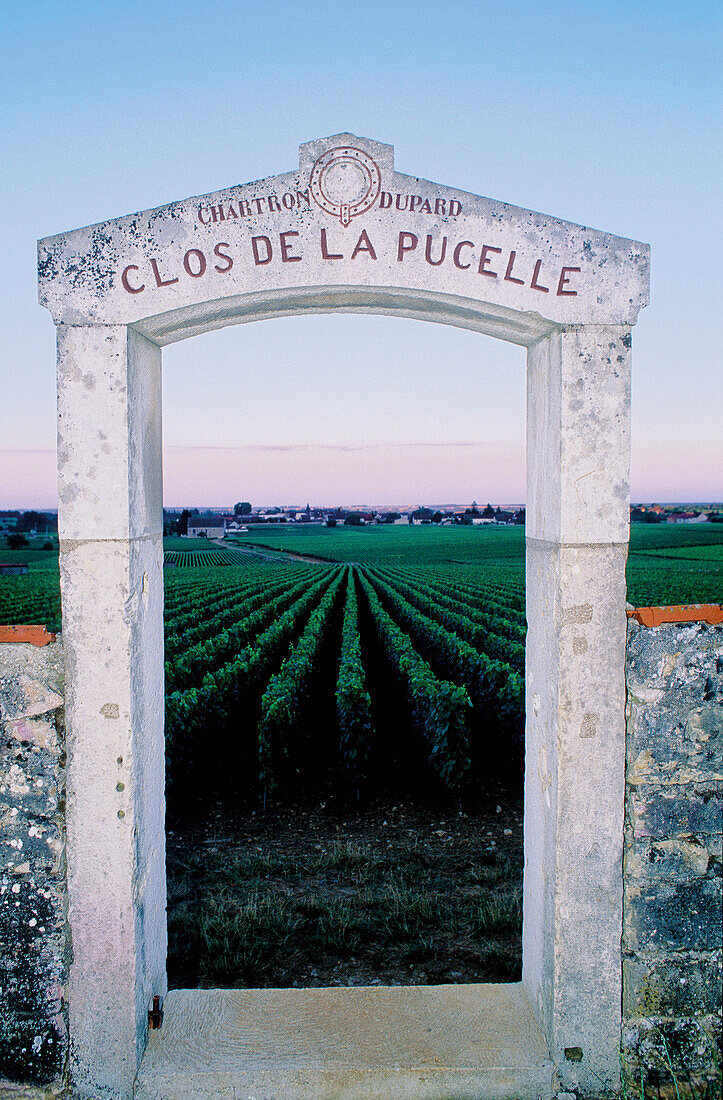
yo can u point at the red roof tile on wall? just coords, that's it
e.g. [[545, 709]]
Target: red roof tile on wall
[[35, 635], [678, 613]]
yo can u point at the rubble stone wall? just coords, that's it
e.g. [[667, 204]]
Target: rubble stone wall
[[672, 860], [34, 941]]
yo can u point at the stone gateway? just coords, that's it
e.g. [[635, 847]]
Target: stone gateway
[[345, 232]]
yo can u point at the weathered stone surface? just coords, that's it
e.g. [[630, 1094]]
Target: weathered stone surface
[[675, 704], [33, 927], [680, 984], [10, 1090], [278, 246], [687, 1047], [110, 523], [117, 891], [34, 1048], [24, 697], [31, 680], [672, 900], [577, 491], [679, 916], [573, 821], [679, 809], [455, 1042]]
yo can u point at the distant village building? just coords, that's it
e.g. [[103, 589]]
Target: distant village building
[[208, 526], [687, 517]]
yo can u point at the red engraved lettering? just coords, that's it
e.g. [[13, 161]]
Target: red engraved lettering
[[159, 280], [201, 263], [258, 203], [564, 280], [385, 200], [428, 251], [217, 213], [222, 256], [414, 201], [325, 253], [407, 243], [286, 256], [484, 260], [509, 277], [244, 208], [274, 204], [200, 217], [425, 208], [364, 245], [534, 284], [305, 196], [288, 200], [457, 251], [455, 207], [137, 289], [231, 213], [258, 258], [440, 206]]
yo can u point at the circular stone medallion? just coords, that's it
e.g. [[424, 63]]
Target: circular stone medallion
[[345, 182]]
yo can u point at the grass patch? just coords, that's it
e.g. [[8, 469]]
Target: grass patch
[[298, 904]]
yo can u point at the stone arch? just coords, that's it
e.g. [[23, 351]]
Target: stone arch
[[343, 233]]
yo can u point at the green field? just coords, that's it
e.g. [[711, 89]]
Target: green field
[[256, 634], [395, 544], [203, 558], [667, 564], [35, 556], [177, 543]]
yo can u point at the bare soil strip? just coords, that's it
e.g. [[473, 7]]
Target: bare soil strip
[[306, 895]]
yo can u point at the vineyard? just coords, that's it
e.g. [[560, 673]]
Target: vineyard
[[347, 730], [200, 559], [342, 674], [344, 744], [339, 655], [666, 564]]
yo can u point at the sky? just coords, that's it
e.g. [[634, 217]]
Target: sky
[[605, 114]]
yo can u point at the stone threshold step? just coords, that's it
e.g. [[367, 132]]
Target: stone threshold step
[[449, 1042]]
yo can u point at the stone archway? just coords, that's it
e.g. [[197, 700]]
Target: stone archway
[[343, 233]]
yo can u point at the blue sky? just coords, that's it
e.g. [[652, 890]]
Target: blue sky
[[603, 114]]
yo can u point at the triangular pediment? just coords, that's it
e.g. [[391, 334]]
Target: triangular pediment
[[345, 218]]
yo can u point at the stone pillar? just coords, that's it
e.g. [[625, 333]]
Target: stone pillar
[[578, 415], [111, 566]]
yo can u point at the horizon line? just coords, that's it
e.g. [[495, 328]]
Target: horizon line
[[704, 501]]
